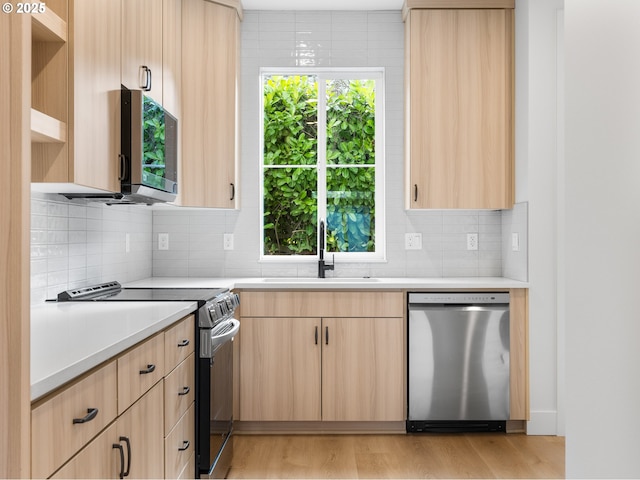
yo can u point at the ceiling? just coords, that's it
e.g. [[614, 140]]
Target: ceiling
[[322, 4]]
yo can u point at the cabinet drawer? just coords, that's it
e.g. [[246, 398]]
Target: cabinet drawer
[[322, 304], [179, 445], [178, 343], [139, 370], [54, 435], [179, 387]]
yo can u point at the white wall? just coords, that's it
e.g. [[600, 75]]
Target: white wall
[[537, 182], [602, 235]]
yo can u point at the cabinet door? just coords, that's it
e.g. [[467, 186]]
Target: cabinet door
[[142, 45], [362, 369], [460, 108], [172, 55], [280, 369], [97, 460], [94, 136], [209, 105], [143, 426]]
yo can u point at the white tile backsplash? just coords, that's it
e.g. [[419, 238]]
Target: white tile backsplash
[[76, 243]]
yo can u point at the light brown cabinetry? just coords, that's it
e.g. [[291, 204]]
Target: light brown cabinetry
[[362, 369], [141, 66], [519, 354], [210, 53], [137, 433], [318, 365], [139, 370], [179, 395], [79, 85], [172, 56], [61, 425], [459, 106], [133, 415], [280, 369]]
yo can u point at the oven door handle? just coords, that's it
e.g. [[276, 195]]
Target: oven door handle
[[224, 332]]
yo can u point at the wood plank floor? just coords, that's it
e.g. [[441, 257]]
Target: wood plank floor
[[477, 455]]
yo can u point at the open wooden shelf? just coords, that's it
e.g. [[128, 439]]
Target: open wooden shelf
[[48, 27], [46, 129]]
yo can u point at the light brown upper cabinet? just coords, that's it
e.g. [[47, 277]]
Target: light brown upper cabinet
[[172, 57], [76, 87], [459, 104], [142, 46], [210, 47]]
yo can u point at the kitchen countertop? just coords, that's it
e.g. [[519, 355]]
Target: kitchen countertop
[[305, 283], [68, 339]]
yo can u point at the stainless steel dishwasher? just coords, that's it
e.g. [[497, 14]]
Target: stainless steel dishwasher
[[458, 362]]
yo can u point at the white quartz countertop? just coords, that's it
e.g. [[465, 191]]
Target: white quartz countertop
[[304, 283], [68, 339]]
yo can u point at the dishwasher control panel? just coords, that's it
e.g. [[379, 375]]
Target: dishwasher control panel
[[458, 297]]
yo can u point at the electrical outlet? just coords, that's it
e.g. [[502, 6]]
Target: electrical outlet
[[515, 242], [472, 241], [163, 241], [413, 241], [228, 241], [127, 243]]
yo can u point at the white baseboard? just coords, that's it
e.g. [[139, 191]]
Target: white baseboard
[[543, 423]]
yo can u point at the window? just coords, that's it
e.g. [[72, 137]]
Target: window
[[322, 158]]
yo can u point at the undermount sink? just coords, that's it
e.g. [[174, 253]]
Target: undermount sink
[[319, 280]]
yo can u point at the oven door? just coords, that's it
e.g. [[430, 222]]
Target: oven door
[[215, 410]]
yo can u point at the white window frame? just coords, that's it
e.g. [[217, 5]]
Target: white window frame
[[322, 74]]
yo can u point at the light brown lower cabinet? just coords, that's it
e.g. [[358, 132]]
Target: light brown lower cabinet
[[134, 444], [136, 420], [329, 369]]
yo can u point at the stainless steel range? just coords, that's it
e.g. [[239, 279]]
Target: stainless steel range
[[215, 327]]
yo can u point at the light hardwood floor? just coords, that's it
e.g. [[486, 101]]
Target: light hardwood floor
[[476, 455]]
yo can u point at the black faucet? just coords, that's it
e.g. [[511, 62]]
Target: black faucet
[[323, 267]]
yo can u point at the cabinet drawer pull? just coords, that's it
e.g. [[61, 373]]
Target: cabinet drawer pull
[[91, 414], [316, 336], [185, 445], [185, 391], [150, 368], [415, 192], [326, 335], [183, 343], [233, 191]]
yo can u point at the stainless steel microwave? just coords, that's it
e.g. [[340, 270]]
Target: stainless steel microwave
[[149, 156]]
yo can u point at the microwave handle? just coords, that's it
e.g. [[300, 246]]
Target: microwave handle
[[123, 167]]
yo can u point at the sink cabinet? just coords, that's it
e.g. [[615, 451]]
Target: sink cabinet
[[459, 104], [322, 356]]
